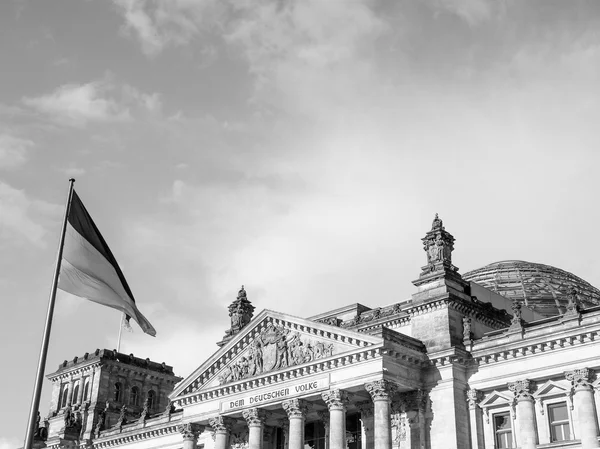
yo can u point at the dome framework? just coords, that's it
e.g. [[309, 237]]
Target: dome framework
[[543, 288]]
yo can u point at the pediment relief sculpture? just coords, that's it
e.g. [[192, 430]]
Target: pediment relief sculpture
[[276, 347]]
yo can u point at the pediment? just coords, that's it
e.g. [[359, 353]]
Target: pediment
[[550, 388], [272, 342], [495, 398]]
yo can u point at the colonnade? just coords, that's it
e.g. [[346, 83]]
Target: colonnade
[[375, 413], [582, 396]]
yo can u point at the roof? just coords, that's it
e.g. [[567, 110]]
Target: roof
[[543, 288]]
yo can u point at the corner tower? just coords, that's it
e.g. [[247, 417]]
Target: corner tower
[[94, 392]]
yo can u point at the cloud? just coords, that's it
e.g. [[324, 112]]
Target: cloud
[[158, 24], [96, 101], [13, 151], [25, 217], [474, 12], [9, 443]]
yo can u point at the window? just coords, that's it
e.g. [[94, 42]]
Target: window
[[134, 398], [62, 401], [151, 399], [86, 390], [118, 396], [558, 417], [75, 394], [503, 430]]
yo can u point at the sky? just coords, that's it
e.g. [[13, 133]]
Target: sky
[[300, 148]]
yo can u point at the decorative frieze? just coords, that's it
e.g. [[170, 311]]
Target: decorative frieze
[[522, 389], [295, 408], [190, 431], [335, 399], [274, 348], [381, 390], [254, 416]]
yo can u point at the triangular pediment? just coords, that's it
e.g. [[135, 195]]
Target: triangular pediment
[[271, 343], [550, 388], [495, 398]]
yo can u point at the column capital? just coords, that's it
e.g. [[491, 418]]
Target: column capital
[[255, 417], [522, 389], [295, 408], [381, 390], [335, 399], [220, 423], [474, 397], [581, 378], [190, 431]]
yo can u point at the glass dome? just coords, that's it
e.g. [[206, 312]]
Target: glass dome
[[541, 287]]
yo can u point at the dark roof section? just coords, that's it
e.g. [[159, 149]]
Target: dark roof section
[[107, 354], [543, 288]]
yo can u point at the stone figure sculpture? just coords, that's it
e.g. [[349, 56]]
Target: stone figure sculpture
[[274, 348]]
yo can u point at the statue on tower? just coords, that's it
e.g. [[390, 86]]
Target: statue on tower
[[240, 311], [438, 245]]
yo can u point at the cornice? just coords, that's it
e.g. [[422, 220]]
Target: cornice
[[510, 350], [76, 371], [135, 434]]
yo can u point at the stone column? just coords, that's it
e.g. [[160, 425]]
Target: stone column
[[381, 392], [583, 402], [190, 431], [255, 418], [475, 419], [366, 417], [285, 430], [296, 410], [220, 427], [324, 418], [527, 437], [336, 401]]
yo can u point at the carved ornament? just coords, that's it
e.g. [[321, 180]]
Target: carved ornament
[[335, 399], [381, 390], [254, 417], [474, 397], [580, 378], [220, 424], [295, 408], [522, 389], [190, 431], [274, 348]]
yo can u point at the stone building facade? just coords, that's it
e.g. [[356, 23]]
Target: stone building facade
[[456, 366]]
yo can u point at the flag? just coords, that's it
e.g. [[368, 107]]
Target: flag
[[89, 269]]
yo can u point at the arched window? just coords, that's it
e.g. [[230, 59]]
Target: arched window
[[134, 398], [86, 390], [75, 394], [151, 399], [118, 396], [63, 397]]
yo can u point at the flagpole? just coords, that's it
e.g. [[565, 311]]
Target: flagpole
[[37, 389]]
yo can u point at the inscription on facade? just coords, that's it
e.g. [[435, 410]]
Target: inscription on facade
[[278, 393]]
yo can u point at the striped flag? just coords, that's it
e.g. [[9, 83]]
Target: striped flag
[[89, 269]]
